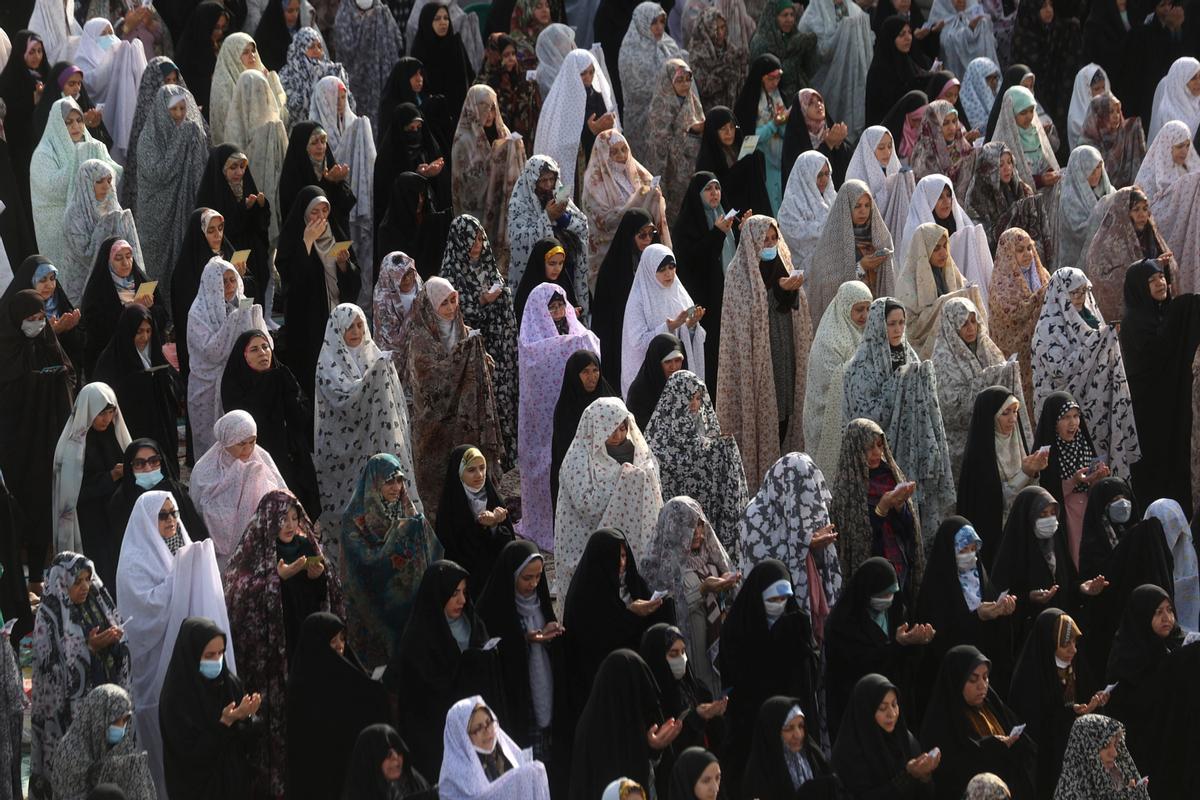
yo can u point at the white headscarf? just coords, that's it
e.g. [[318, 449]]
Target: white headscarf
[[1076, 199], [212, 328], [1173, 100], [1159, 170], [891, 189], [1081, 100], [69, 456], [156, 592], [975, 95], [553, 44], [804, 209], [968, 243], [226, 489], [560, 122], [844, 49], [647, 310], [462, 776], [1183, 550], [113, 68]]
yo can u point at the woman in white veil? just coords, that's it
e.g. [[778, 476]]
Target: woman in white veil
[[875, 163], [54, 21], [806, 202], [553, 44], [114, 70]]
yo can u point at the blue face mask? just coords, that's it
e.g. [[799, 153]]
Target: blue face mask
[[768, 253], [148, 480], [115, 734], [212, 669]]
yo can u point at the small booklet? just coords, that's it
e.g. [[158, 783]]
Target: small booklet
[[339, 248], [749, 145], [240, 257], [146, 289], [658, 595]]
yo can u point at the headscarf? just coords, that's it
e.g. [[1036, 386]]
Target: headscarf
[[365, 780], [84, 762], [844, 51], [1183, 552], [933, 154], [804, 209], [918, 290], [1076, 200], [391, 305], [959, 42], [564, 113], [450, 61], [1111, 244], [153, 78], [70, 455], [640, 61], [975, 95], [1173, 99], [718, 68], [1081, 100], [1159, 170], [650, 304], [225, 76], [463, 776], [1083, 775], [553, 44], [360, 409], [865, 755], [1030, 147], [968, 242], [1123, 144], [369, 42], [1013, 307], [672, 149], [114, 69], [300, 75], [795, 50], [88, 222], [1068, 353], [610, 190]]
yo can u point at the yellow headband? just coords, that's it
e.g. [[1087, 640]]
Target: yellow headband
[[553, 251], [471, 454]]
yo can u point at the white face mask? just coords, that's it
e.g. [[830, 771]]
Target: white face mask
[[966, 561], [881, 603], [1058, 662], [365, 5], [1045, 527], [32, 327], [774, 609], [1119, 511], [678, 664]]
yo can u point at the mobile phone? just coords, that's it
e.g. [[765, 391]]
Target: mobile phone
[[731, 213], [561, 194], [1043, 450], [1017, 730], [655, 182], [935, 752], [311, 560], [1109, 689], [245, 302], [1003, 596], [658, 595], [691, 313], [796, 273], [883, 252]]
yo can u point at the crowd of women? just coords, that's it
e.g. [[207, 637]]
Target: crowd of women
[[599, 400]]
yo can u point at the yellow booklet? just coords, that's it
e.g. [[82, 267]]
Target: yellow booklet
[[146, 289], [340, 248], [240, 257]]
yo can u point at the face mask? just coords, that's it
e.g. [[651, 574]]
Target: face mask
[[881, 603], [107, 42], [483, 752], [1119, 511], [148, 480], [966, 561], [115, 734], [774, 610], [365, 5], [211, 669], [32, 327], [768, 253], [1058, 662], [678, 664], [1045, 527]]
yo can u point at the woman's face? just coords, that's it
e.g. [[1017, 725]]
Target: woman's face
[[719, 31], [177, 112], [168, 520], [1094, 177], [950, 95], [1066, 652], [711, 194], [554, 266], [645, 236], [786, 20], [449, 308], [75, 126], [950, 126], [235, 171], [944, 204], [79, 590], [141, 337], [793, 734], [73, 85], [541, 12], [104, 419], [619, 434], [475, 474], [618, 152], [940, 254], [476, 246], [46, 286], [291, 13], [883, 150], [338, 643], [969, 330], [315, 50], [1193, 85], [172, 78], [681, 82], [244, 449], [146, 459], [558, 309], [1046, 12], [122, 262], [289, 526], [859, 312], [392, 488], [727, 133], [408, 281], [441, 22], [622, 560], [708, 785], [1006, 169], [903, 40], [1108, 753], [590, 378], [320, 212], [1024, 118], [250, 55], [530, 577], [696, 401], [895, 326], [699, 534], [1079, 297], [417, 82], [815, 110], [218, 31], [1158, 286], [1139, 214], [770, 81], [481, 727], [1068, 426], [392, 766], [588, 75], [214, 649], [1163, 621], [34, 55], [214, 233], [658, 26], [860, 214], [975, 690], [457, 602], [875, 452], [1179, 153], [487, 114], [229, 284], [356, 331], [823, 179], [318, 143], [1006, 422], [887, 713], [665, 275], [258, 354]]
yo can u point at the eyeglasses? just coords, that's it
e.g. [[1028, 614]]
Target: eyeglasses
[[647, 233], [480, 728], [164, 516], [152, 462]]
